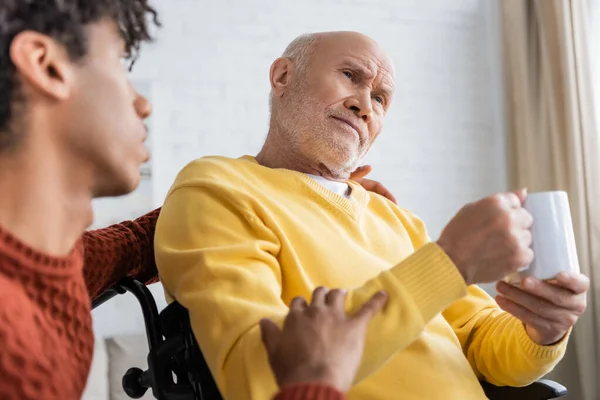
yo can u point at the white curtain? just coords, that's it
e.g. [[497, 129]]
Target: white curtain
[[553, 144]]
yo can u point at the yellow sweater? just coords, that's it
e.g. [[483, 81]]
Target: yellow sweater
[[236, 241]]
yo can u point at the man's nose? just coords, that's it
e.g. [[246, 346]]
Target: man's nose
[[143, 108], [361, 106]]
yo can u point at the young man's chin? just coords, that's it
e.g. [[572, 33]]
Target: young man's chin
[[119, 186]]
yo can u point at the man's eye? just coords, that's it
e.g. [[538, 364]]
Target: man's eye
[[379, 99], [349, 74]]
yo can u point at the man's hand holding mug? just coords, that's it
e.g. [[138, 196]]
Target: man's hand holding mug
[[528, 241]]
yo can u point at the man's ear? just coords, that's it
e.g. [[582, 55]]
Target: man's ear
[[280, 75], [43, 65]]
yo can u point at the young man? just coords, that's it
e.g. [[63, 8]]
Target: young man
[[71, 129]]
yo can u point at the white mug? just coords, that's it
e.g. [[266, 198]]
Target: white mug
[[553, 246]]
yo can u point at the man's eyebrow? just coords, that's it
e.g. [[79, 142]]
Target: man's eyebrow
[[386, 90], [387, 85], [364, 67], [386, 82], [356, 64]]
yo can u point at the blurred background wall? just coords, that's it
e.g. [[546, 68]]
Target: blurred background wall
[[468, 118]]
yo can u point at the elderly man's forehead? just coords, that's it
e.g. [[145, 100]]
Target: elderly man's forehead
[[363, 49]]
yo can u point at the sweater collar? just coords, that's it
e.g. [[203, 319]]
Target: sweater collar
[[354, 206], [18, 255]]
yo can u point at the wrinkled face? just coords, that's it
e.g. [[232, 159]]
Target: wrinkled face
[[103, 115], [334, 113]]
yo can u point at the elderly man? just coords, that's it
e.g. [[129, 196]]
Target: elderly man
[[242, 239]]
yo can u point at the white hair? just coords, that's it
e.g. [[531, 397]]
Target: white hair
[[301, 49], [300, 52]]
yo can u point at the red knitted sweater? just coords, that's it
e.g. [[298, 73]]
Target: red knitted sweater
[[46, 338]]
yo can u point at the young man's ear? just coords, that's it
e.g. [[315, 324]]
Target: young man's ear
[[280, 75], [42, 64]]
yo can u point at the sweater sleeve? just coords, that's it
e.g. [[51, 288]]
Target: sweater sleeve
[[497, 344], [119, 251], [309, 391], [221, 264]]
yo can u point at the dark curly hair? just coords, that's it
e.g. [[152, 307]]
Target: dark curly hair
[[65, 21]]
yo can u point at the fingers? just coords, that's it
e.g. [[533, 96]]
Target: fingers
[[521, 234], [336, 298], [382, 190], [376, 187], [576, 283], [557, 293], [539, 329], [524, 238], [388, 195], [371, 307], [522, 218], [521, 194], [372, 186], [361, 172], [527, 257], [537, 305], [298, 304], [270, 334], [512, 200], [318, 297], [526, 316], [515, 199]]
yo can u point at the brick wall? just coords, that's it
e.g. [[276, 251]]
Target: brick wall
[[208, 73]]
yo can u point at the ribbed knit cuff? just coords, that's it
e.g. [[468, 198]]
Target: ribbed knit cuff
[[309, 391], [432, 279], [538, 351]]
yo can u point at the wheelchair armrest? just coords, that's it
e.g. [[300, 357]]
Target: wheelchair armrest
[[174, 319], [543, 389], [109, 294]]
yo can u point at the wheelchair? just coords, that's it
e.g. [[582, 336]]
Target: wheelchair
[[177, 369]]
